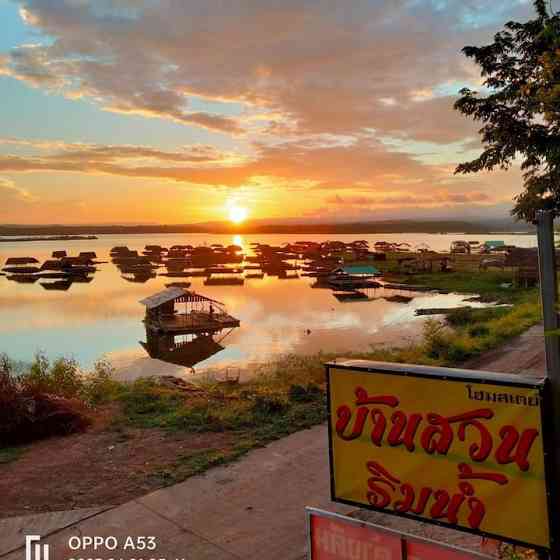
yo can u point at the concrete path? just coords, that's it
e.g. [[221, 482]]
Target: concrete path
[[14, 529], [252, 509], [523, 354]]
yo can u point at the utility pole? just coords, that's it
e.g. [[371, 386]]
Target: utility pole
[[549, 302]]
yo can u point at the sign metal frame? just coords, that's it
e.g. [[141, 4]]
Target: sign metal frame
[[407, 537], [542, 385]]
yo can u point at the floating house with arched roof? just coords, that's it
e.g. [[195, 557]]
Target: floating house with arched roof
[[177, 310]]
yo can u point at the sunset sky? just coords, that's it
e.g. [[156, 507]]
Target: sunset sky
[[180, 111]]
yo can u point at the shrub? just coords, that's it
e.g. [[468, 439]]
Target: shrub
[[29, 412], [461, 316], [62, 378], [478, 330], [265, 405], [100, 387], [436, 339], [310, 393]]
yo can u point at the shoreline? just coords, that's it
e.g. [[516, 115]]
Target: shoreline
[[31, 236], [49, 238], [194, 427]]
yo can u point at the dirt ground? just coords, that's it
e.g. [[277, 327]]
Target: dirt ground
[[100, 467]]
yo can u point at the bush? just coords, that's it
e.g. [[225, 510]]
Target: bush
[[436, 339], [29, 412], [266, 405], [478, 330], [299, 393], [100, 387], [62, 378], [460, 317]]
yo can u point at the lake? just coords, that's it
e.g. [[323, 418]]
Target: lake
[[104, 318]]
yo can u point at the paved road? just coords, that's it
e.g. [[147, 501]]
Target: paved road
[[252, 509]]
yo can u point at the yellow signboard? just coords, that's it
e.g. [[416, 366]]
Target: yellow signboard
[[440, 445]]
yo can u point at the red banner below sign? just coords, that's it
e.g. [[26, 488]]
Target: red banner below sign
[[332, 539], [336, 537]]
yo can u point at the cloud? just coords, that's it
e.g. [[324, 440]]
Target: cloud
[[49, 152], [9, 191], [312, 67], [318, 98], [366, 169], [399, 199], [317, 163]]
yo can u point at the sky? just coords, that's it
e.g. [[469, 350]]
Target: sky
[[175, 111]]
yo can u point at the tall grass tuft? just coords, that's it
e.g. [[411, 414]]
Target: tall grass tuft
[[47, 399]]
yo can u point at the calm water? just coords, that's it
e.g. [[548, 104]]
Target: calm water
[[104, 318]]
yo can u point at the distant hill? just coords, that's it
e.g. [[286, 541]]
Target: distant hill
[[379, 227]]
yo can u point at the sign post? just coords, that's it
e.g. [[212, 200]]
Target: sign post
[[549, 301]]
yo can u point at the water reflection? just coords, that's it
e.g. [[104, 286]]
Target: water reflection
[[183, 350], [59, 285]]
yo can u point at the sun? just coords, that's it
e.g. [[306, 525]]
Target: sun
[[237, 214]]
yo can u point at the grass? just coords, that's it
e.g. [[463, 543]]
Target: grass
[[11, 454], [190, 465], [489, 285], [252, 413], [283, 396]]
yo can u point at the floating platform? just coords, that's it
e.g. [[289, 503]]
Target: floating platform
[[224, 281], [397, 298], [355, 295], [202, 314], [197, 322]]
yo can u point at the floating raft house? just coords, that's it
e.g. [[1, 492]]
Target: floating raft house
[[200, 314]]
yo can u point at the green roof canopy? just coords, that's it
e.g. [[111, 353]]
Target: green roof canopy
[[362, 269], [494, 243]]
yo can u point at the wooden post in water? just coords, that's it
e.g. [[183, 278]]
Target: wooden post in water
[[549, 302]]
